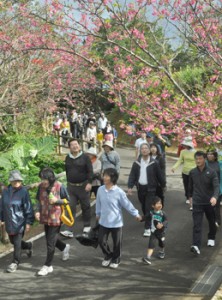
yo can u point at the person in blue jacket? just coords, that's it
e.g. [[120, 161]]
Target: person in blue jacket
[[17, 213]]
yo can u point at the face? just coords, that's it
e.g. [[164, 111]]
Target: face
[[200, 161], [45, 183], [153, 150], [149, 139], [106, 179], [145, 150], [107, 148], [158, 206], [74, 147], [143, 135], [210, 156], [16, 183]]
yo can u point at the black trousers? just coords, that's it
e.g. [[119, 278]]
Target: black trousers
[[52, 241], [198, 213], [116, 234], [19, 245], [146, 199], [186, 184], [217, 211], [155, 237], [78, 194]]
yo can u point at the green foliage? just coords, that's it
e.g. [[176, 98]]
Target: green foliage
[[192, 78], [8, 140]]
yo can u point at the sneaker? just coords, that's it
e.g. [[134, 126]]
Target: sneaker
[[106, 262], [29, 252], [65, 252], [161, 254], [147, 232], [86, 229], [146, 260], [114, 265], [195, 250], [66, 233], [12, 268], [191, 208], [187, 201], [45, 270], [211, 243]]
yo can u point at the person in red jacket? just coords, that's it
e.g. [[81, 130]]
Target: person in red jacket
[[50, 196]]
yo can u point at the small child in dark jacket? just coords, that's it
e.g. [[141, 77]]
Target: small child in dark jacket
[[158, 220], [17, 214]]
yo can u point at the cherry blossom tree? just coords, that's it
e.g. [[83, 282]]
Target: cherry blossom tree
[[132, 50]]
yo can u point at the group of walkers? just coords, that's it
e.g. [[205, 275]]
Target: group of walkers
[[87, 173], [88, 126]]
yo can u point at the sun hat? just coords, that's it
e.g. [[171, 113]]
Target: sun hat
[[91, 151], [15, 175], [109, 144], [188, 143]]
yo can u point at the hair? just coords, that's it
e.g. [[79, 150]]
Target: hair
[[148, 146], [200, 153], [48, 174], [158, 149], [214, 152], [112, 173], [156, 200], [72, 140]]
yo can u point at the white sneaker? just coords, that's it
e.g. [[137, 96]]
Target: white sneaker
[[147, 232], [45, 270], [66, 233], [195, 250], [106, 262], [114, 265], [211, 243], [86, 229], [187, 201], [12, 268], [65, 252], [191, 208]]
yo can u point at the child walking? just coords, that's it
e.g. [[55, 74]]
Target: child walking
[[17, 213], [158, 220], [50, 196], [109, 203]]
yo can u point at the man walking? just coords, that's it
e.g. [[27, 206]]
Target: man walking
[[146, 175], [79, 175], [203, 192]]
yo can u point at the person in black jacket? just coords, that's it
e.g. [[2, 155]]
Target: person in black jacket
[[155, 154], [203, 192], [146, 175], [17, 213], [79, 173]]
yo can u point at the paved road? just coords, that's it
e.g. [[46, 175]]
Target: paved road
[[82, 277]]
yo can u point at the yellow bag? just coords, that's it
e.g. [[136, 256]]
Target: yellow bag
[[67, 220]]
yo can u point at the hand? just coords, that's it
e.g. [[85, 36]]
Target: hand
[[129, 192], [139, 218], [37, 216], [27, 228], [159, 225], [213, 201], [52, 199], [88, 187], [191, 201]]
